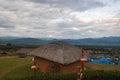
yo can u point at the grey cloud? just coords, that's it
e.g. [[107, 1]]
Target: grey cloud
[[80, 5], [71, 32], [95, 30], [116, 0], [6, 24], [63, 25], [68, 34], [38, 19], [68, 25]]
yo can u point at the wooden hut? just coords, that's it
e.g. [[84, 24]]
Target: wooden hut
[[57, 57]]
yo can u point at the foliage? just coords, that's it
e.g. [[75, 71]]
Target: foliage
[[101, 75], [9, 48]]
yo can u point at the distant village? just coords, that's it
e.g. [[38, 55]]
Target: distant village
[[103, 55]]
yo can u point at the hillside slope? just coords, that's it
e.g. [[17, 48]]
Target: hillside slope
[[27, 41], [15, 68]]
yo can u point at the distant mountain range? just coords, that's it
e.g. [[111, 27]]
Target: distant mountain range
[[37, 41]]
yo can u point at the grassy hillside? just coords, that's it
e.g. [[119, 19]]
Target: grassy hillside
[[10, 63], [15, 68]]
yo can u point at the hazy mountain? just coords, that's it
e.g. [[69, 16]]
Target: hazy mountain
[[2, 42], [7, 38], [97, 41], [27, 41], [86, 41]]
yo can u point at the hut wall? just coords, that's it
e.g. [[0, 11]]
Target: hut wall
[[71, 67], [47, 66]]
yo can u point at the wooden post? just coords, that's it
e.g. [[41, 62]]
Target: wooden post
[[82, 63], [34, 70], [78, 74], [81, 67]]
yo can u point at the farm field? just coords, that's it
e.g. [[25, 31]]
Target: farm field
[[15, 68]]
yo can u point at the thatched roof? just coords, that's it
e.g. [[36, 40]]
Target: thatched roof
[[24, 51], [60, 52]]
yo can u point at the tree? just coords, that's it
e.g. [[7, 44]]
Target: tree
[[8, 44]]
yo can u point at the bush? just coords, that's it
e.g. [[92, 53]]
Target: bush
[[43, 76], [101, 75], [88, 75]]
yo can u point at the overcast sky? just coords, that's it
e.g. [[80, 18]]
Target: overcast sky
[[60, 18]]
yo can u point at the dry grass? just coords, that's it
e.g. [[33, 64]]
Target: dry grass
[[95, 66], [7, 57]]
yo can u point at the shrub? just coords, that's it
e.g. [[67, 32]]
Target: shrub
[[101, 75]]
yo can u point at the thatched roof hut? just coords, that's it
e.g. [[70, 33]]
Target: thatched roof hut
[[57, 57], [60, 52]]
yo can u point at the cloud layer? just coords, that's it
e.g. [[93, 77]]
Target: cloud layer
[[80, 5], [59, 18]]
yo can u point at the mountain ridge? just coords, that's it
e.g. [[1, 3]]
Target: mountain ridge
[[86, 41]]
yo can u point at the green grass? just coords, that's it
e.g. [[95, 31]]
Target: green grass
[[10, 63], [20, 72], [101, 75], [25, 73], [15, 68]]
